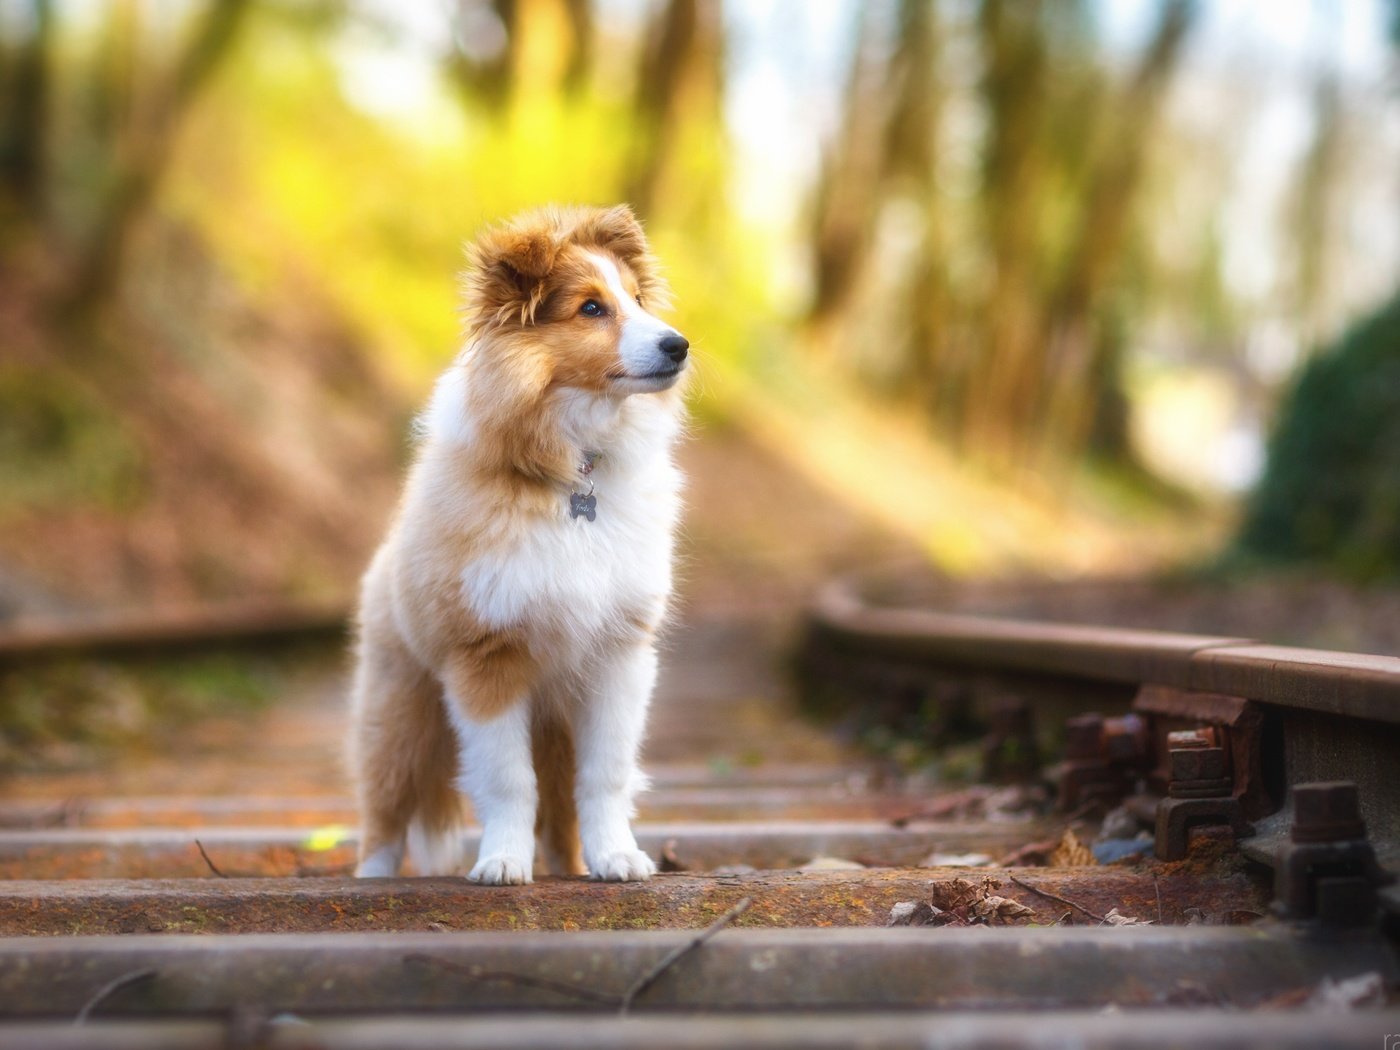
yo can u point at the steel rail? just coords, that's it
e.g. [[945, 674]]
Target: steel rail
[[1333, 683], [1291, 716], [173, 629]]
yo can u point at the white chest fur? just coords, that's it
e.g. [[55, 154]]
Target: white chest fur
[[567, 582]]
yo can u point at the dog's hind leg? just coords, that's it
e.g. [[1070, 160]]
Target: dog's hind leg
[[403, 757]]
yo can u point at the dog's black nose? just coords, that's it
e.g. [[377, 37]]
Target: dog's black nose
[[674, 346]]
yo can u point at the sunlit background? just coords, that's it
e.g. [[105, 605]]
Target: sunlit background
[[1005, 285]]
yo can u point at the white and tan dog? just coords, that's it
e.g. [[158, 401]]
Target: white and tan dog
[[507, 624]]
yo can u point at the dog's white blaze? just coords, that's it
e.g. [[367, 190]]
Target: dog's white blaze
[[641, 332]]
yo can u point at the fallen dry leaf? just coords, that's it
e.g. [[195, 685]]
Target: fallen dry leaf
[[951, 894], [1000, 910], [1071, 853], [1116, 918]]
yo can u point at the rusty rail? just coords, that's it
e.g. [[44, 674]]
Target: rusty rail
[[1349, 684], [1222, 730], [169, 630]]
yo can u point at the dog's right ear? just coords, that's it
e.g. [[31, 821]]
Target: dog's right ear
[[507, 271], [617, 230]]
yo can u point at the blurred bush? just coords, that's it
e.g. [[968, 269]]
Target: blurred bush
[[1330, 493]]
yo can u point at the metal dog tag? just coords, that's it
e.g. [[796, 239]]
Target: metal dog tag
[[583, 504]]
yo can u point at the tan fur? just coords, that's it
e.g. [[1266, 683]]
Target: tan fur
[[556, 824], [526, 283], [402, 748]]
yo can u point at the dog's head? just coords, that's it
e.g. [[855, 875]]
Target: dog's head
[[571, 291]]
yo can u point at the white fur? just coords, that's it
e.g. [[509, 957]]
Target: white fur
[[570, 581], [444, 418], [575, 587], [498, 776], [381, 864], [434, 851], [608, 728]]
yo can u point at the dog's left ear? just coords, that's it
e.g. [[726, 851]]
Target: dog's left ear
[[617, 230], [507, 270]]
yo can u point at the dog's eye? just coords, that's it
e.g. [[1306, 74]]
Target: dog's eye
[[639, 298], [591, 308]]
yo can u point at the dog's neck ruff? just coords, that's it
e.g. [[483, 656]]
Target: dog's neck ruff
[[585, 504]]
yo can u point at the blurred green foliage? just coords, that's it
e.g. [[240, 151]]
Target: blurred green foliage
[[60, 446], [1330, 493], [68, 712], [95, 704]]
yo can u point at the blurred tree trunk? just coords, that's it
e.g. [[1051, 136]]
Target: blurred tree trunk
[[848, 192], [26, 116], [581, 53], [680, 82], [1082, 371], [145, 156], [932, 369], [112, 87], [1314, 209], [1015, 90]]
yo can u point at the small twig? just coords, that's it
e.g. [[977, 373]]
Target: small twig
[[211, 864], [675, 955], [525, 980], [1054, 897], [1157, 889], [110, 989]]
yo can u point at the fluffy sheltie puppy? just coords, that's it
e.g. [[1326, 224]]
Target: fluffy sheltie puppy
[[507, 625]]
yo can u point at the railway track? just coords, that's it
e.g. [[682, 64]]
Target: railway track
[[809, 897]]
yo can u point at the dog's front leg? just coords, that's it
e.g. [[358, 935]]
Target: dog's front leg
[[608, 738], [496, 773]]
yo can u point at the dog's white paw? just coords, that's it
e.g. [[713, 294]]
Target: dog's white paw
[[501, 870], [625, 866]]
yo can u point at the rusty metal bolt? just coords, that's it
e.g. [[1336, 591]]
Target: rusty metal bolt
[[1084, 738], [1328, 811], [1199, 763]]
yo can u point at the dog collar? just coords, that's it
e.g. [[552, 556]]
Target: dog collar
[[585, 504]]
